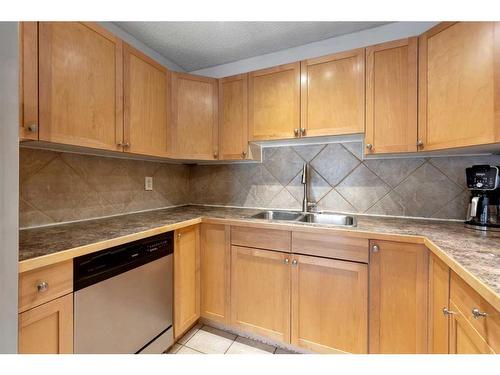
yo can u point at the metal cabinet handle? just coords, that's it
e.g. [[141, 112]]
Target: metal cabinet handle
[[476, 313], [286, 260], [296, 132], [120, 144], [375, 248], [369, 146], [420, 143], [179, 235], [216, 155], [42, 286], [32, 128], [448, 312], [302, 131], [244, 154], [294, 262]]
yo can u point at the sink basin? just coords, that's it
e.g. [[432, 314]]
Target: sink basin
[[317, 218], [278, 215], [334, 219]]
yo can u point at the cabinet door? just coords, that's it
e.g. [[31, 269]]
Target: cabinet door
[[391, 97], [329, 305], [274, 102], [459, 78], [233, 117], [48, 328], [439, 296], [28, 80], [398, 298], [260, 292], [80, 85], [193, 128], [215, 272], [333, 94], [464, 339], [146, 98], [186, 279]]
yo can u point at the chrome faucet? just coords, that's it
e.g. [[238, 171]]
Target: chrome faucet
[[306, 205]]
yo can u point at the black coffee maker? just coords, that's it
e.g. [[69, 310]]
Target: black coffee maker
[[483, 182]]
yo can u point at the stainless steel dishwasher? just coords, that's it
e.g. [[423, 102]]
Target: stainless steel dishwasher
[[123, 298]]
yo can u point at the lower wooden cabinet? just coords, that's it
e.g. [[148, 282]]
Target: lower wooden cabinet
[[260, 292], [329, 305], [48, 328], [215, 272], [439, 297], [464, 339], [398, 298], [186, 279]]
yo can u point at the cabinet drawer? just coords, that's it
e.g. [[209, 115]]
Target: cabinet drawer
[[45, 284], [330, 245], [466, 299], [271, 239]]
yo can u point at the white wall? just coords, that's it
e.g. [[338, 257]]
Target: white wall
[[9, 184], [392, 31], [119, 32]]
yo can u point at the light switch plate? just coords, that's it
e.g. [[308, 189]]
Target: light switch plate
[[148, 183]]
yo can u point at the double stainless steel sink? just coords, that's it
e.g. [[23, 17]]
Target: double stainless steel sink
[[308, 217]]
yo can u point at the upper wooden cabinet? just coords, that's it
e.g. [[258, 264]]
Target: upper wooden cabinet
[[146, 93], [233, 117], [274, 102], [398, 298], [333, 94], [329, 305], [193, 127], [80, 85], [215, 267], [186, 279], [391, 97], [459, 84]]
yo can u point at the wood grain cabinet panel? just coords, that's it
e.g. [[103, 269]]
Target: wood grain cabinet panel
[[146, 100], [459, 85], [48, 328], [391, 97], [329, 305], [194, 124], [261, 238], [186, 279], [233, 117], [215, 271], [28, 80], [274, 102], [439, 297], [398, 298], [80, 85], [260, 292], [333, 94]]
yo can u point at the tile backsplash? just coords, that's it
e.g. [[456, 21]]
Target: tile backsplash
[[341, 181], [57, 187]]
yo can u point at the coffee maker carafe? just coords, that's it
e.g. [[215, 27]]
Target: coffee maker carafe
[[483, 182]]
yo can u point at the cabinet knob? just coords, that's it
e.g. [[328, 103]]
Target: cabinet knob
[[302, 131], [294, 262], [32, 128], [369, 146], [42, 286], [420, 143], [286, 260], [447, 312], [123, 144], [476, 313], [216, 155], [375, 248], [296, 132], [244, 154], [179, 235]]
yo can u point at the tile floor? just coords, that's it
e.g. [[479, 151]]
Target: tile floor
[[203, 339]]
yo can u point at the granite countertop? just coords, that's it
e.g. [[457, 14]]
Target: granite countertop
[[475, 251]]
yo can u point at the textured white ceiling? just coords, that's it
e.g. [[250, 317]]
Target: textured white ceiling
[[197, 45]]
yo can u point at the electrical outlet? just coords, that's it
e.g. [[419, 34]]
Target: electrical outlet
[[148, 183]]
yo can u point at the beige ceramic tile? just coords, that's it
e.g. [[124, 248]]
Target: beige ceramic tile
[[211, 341], [174, 349], [186, 350], [189, 334], [244, 345]]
